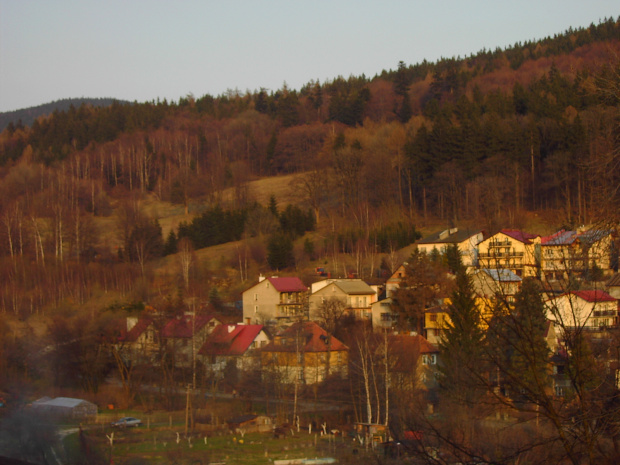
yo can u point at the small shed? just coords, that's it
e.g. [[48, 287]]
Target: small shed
[[66, 407], [251, 423]]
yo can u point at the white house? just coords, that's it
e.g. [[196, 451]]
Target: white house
[[589, 309]]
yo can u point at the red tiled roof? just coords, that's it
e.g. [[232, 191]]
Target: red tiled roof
[[184, 326], [313, 338], [230, 339], [134, 333], [519, 235], [594, 296], [287, 284]]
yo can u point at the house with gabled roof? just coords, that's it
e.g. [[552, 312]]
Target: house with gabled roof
[[394, 281], [565, 253], [356, 296], [412, 362], [234, 344], [590, 309], [383, 315], [275, 301], [494, 288], [466, 240], [500, 283], [138, 340], [436, 321], [185, 334], [304, 353], [511, 249]]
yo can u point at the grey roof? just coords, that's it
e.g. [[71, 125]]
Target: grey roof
[[569, 237], [502, 275], [66, 402], [354, 286], [443, 237]]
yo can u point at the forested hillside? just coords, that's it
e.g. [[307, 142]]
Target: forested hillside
[[486, 139]]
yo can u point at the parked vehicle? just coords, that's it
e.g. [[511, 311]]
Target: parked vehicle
[[126, 421]]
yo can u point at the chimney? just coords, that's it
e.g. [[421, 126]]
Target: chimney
[[261, 278], [131, 322]]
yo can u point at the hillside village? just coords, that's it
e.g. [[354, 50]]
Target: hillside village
[[426, 260], [283, 320]]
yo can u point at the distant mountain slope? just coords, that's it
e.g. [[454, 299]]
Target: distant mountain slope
[[28, 115]]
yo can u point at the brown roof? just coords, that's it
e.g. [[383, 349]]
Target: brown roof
[[185, 326], [304, 337], [614, 281], [287, 284], [404, 350]]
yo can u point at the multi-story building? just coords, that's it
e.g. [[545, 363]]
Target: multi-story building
[[275, 301], [234, 344], [513, 250], [383, 315], [185, 334], [590, 309], [465, 240], [436, 320], [494, 289], [567, 253], [356, 297], [304, 353], [395, 280]]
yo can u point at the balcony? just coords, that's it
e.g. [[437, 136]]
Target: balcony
[[501, 255], [504, 243], [596, 313]]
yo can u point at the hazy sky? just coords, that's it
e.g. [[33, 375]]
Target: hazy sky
[[148, 49]]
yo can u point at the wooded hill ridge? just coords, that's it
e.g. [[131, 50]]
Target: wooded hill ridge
[[491, 140], [27, 116]]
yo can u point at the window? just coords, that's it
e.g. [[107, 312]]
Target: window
[[386, 317], [559, 391], [255, 297], [429, 359], [255, 308], [433, 317]]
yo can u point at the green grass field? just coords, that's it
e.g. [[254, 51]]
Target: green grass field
[[161, 445]]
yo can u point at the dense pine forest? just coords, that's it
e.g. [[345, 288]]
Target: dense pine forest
[[489, 140]]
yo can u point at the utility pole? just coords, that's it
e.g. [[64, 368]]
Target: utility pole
[[187, 406]]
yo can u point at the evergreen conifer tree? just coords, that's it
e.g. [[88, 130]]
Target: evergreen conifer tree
[[462, 344]]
